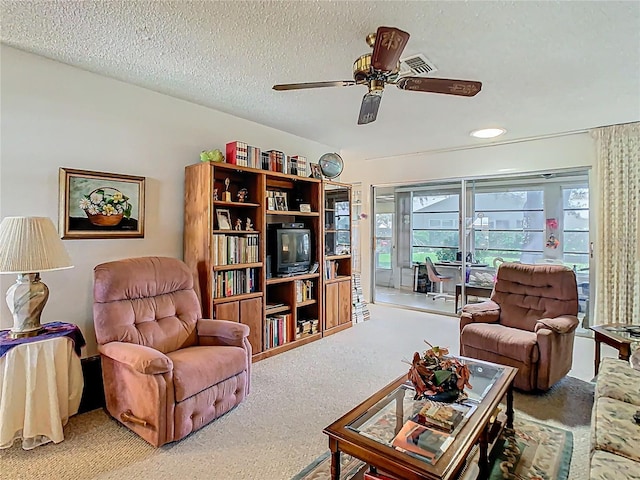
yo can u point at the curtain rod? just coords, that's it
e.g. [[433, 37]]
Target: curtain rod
[[505, 142]]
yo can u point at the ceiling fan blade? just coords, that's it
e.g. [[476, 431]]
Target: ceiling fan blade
[[390, 43], [465, 88], [300, 86], [369, 108]]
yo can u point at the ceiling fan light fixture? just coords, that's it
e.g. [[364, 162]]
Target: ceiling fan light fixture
[[488, 132]]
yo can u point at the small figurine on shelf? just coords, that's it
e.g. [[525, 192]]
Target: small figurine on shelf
[[226, 195], [215, 194], [248, 225], [243, 193], [238, 224]]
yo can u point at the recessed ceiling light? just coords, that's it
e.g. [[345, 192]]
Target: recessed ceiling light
[[488, 132]]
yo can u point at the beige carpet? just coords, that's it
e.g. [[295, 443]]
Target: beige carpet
[[277, 431]]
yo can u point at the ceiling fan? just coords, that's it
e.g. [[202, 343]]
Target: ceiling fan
[[381, 67]]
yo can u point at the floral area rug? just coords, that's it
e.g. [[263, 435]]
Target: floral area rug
[[533, 451]]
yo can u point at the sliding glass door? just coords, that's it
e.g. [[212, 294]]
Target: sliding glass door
[[438, 245]]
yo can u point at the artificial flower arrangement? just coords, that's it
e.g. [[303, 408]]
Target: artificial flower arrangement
[[106, 202], [438, 377]]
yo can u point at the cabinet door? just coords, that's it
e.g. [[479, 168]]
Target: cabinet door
[[344, 302], [331, 306], [228, 311], [251, 316]]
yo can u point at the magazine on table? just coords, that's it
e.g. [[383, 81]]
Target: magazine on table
[[448, 417], [426, 442]]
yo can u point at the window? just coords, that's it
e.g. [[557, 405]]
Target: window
[[508, 225], [575, 231], [434, 232]]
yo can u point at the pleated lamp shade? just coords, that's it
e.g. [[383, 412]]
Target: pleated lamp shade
[[30, 245]]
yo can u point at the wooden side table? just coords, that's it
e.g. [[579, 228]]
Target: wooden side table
[[40, 388], [612, 334]]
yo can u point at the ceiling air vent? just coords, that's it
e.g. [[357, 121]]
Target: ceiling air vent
[[416, 65]]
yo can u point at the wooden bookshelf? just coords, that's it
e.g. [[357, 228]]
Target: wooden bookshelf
[[250, 306]]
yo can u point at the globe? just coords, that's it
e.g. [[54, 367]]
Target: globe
[[331, 165]]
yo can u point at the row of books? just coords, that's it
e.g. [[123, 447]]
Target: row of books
[[234, 282], [275, 330], [239, 153], [304, 290], [232, 249], [330, 269]]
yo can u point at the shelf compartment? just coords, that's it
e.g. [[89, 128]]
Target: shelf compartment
[[273, 281], [236, 266], [235, 298]]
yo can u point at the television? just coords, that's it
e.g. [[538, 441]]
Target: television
[[291, 250]]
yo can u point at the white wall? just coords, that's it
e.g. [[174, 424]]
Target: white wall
[[54, 115], [559, 152]]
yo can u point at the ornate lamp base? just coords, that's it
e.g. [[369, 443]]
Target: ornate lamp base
[[26, 299]]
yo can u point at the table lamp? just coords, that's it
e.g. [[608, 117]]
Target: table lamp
[[28, 246]]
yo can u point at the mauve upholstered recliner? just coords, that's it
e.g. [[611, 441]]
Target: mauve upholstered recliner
[[166, 371], [529, 323]]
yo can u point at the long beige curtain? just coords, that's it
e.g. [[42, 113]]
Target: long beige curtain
[[617, 250]]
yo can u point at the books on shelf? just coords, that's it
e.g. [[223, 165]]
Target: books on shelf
[[276, 332], [304, 290], [330, 269], [232, 249], [239, 153], [306, 327], [234, 282]]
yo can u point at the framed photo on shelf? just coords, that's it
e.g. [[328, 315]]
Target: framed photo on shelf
[[315, 170], [305, 207], [100, 205], [271, 203], [281, 201], [224, 219]]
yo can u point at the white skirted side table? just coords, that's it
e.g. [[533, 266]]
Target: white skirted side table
[[40, 388]]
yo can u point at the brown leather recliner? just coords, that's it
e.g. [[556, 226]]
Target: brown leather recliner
[[166, 370], [529, 323]]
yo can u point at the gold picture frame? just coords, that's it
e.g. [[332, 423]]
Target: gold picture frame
[[100, 205]]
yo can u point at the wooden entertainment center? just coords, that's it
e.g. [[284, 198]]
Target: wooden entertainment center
[[227, 226]]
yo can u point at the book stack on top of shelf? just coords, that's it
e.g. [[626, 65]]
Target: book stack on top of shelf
[[239, 153], [232, 249], [275, 330]]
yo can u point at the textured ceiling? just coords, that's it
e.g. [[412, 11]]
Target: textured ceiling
[[546, 67]]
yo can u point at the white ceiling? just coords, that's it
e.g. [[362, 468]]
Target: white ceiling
[[546, 67]]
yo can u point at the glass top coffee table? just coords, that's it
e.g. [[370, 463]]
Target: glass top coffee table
[[386, 431]]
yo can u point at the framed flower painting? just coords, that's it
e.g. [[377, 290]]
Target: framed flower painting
[[100, 205]]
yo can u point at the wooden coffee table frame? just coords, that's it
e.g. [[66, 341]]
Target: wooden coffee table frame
[[388, 459]]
